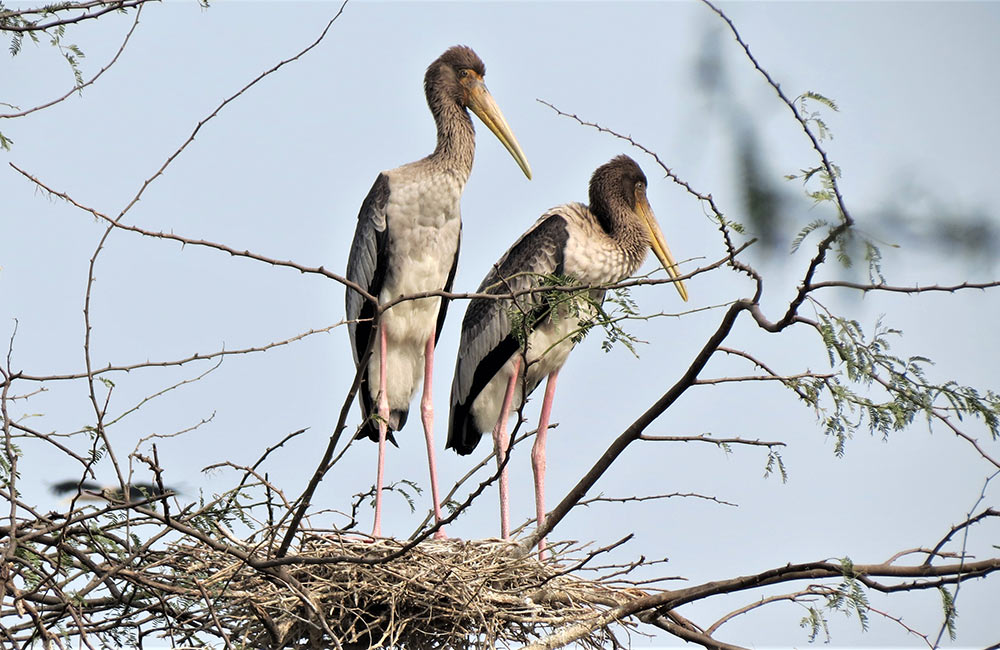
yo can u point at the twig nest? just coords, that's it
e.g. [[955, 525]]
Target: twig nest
[[345, 593]]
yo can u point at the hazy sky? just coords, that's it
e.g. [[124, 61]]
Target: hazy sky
[[282, 172]]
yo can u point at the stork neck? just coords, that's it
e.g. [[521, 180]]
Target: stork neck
[[456, 138], [627, 233]]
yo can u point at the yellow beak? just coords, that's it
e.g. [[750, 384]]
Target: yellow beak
[[659, 244], [486, 109]]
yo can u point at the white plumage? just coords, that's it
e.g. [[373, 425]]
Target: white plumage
[[425, 227]]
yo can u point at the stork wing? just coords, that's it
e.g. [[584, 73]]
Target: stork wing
[[487, 340], [366, 266]]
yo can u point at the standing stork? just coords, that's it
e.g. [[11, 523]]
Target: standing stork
[[600, 244], [407, 242]]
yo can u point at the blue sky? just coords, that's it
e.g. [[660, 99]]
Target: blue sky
[[282, 172]]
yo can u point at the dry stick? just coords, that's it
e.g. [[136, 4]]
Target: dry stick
[[252, 469], [921, 551], [715, 441], [99, 411], [247, 473], [655, 497], [688, 634], [760, 364], [581, 563], [197, 356], [795, 597], [135, 23], [881, 286], [895, 619], [782, 378], [160, 393], [116, 223], [961, 434], [989, 512], [211, 610]]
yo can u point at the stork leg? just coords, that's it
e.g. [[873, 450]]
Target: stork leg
[[500, 444], [538, 456], [383, 425], [427, 417]]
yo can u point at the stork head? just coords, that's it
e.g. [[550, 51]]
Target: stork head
[[457, 76], [618, 190]]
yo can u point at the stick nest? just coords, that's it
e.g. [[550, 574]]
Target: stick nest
[[440, 594]]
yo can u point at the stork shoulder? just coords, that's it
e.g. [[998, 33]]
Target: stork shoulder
[[424, 196]]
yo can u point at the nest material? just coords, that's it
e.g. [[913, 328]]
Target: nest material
[[441, 594]]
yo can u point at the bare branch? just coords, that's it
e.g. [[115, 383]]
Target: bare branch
[[715, 441], [197, 356], [879, 286], [654, 497]]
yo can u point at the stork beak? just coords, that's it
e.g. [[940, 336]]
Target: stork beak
[[482, 104], [659, 244]]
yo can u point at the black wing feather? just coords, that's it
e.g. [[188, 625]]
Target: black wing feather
[[367, 266], [443, 309]]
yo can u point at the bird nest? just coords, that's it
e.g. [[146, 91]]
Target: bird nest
[[439, 594]]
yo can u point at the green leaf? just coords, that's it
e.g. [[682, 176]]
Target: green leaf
[[800, 237], [822, 99]]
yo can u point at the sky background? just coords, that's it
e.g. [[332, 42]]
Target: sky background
[[283, 170]]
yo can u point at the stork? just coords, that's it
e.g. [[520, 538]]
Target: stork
[[406, 242], [593, 245]]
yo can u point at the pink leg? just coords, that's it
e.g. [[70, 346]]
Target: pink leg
[[538, 455], [383, 425], [500, 444], [427, 417]]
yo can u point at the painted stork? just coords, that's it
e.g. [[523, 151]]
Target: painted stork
[[406, 242], [603, 243]]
